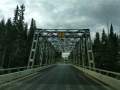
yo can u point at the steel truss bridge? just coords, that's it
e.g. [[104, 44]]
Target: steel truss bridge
[[48, 41], [43, 73]]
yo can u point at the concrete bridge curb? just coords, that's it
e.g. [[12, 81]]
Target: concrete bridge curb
[[103, 78], [16, 75]]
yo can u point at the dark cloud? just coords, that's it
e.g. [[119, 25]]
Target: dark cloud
[[100, 12]]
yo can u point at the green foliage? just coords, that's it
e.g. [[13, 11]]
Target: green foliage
[[96, 43], [58, 54], [106, 51], [70, 60], [15, 40], [58, 59], [31, 31], [70, 57]]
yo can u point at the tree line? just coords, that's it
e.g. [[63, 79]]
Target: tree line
[[106, 50], [16, 40]]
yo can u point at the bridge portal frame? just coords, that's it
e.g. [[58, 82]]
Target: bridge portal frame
[[81, 46]]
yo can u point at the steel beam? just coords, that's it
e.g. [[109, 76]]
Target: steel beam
[[33, 48], [49, 40]]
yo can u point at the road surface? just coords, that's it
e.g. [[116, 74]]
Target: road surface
[[60, 77]]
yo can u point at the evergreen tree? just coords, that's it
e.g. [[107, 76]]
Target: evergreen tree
[[70, 57], [58, 56], [97, 43], [104, 37], [31, 31], [111, 33], [110, 63], [19, 44], [96, 49], [16, 14], [10, 38], [15, 39], [2, 40], [104, 51], [27, 45], [25, 32]]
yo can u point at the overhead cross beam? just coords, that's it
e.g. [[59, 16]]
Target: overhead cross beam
[[61, 39]]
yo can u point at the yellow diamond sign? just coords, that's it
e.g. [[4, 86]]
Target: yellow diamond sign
[[61, 34]]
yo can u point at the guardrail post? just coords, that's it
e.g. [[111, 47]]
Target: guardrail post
[[25, 68], [106, 73], [99, 71], [9, 71], [18, 70], [116, 76]]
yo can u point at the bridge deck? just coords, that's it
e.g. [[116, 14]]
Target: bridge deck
[[60, 77]]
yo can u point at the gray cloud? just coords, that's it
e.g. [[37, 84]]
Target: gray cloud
[[1, 14], [90, 14]]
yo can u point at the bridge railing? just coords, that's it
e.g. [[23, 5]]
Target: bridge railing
[[17, 69], [104, 72]]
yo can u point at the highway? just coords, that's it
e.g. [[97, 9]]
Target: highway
[[60, 77]]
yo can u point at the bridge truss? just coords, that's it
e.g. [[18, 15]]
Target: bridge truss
[[47, 41]]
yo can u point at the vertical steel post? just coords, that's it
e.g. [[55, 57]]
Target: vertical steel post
[[79, 54], [33, 49], [89, 49], [83, 51], [46, 53], [51, 55], [41, 47], [76, 54], [54, 56], [73, 56]]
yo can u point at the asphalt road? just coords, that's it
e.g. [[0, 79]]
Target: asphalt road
[[60, 77]]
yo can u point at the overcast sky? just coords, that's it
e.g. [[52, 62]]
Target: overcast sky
[[73, 14]]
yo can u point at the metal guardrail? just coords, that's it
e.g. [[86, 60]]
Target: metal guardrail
[[103, 72], [17, 69]]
